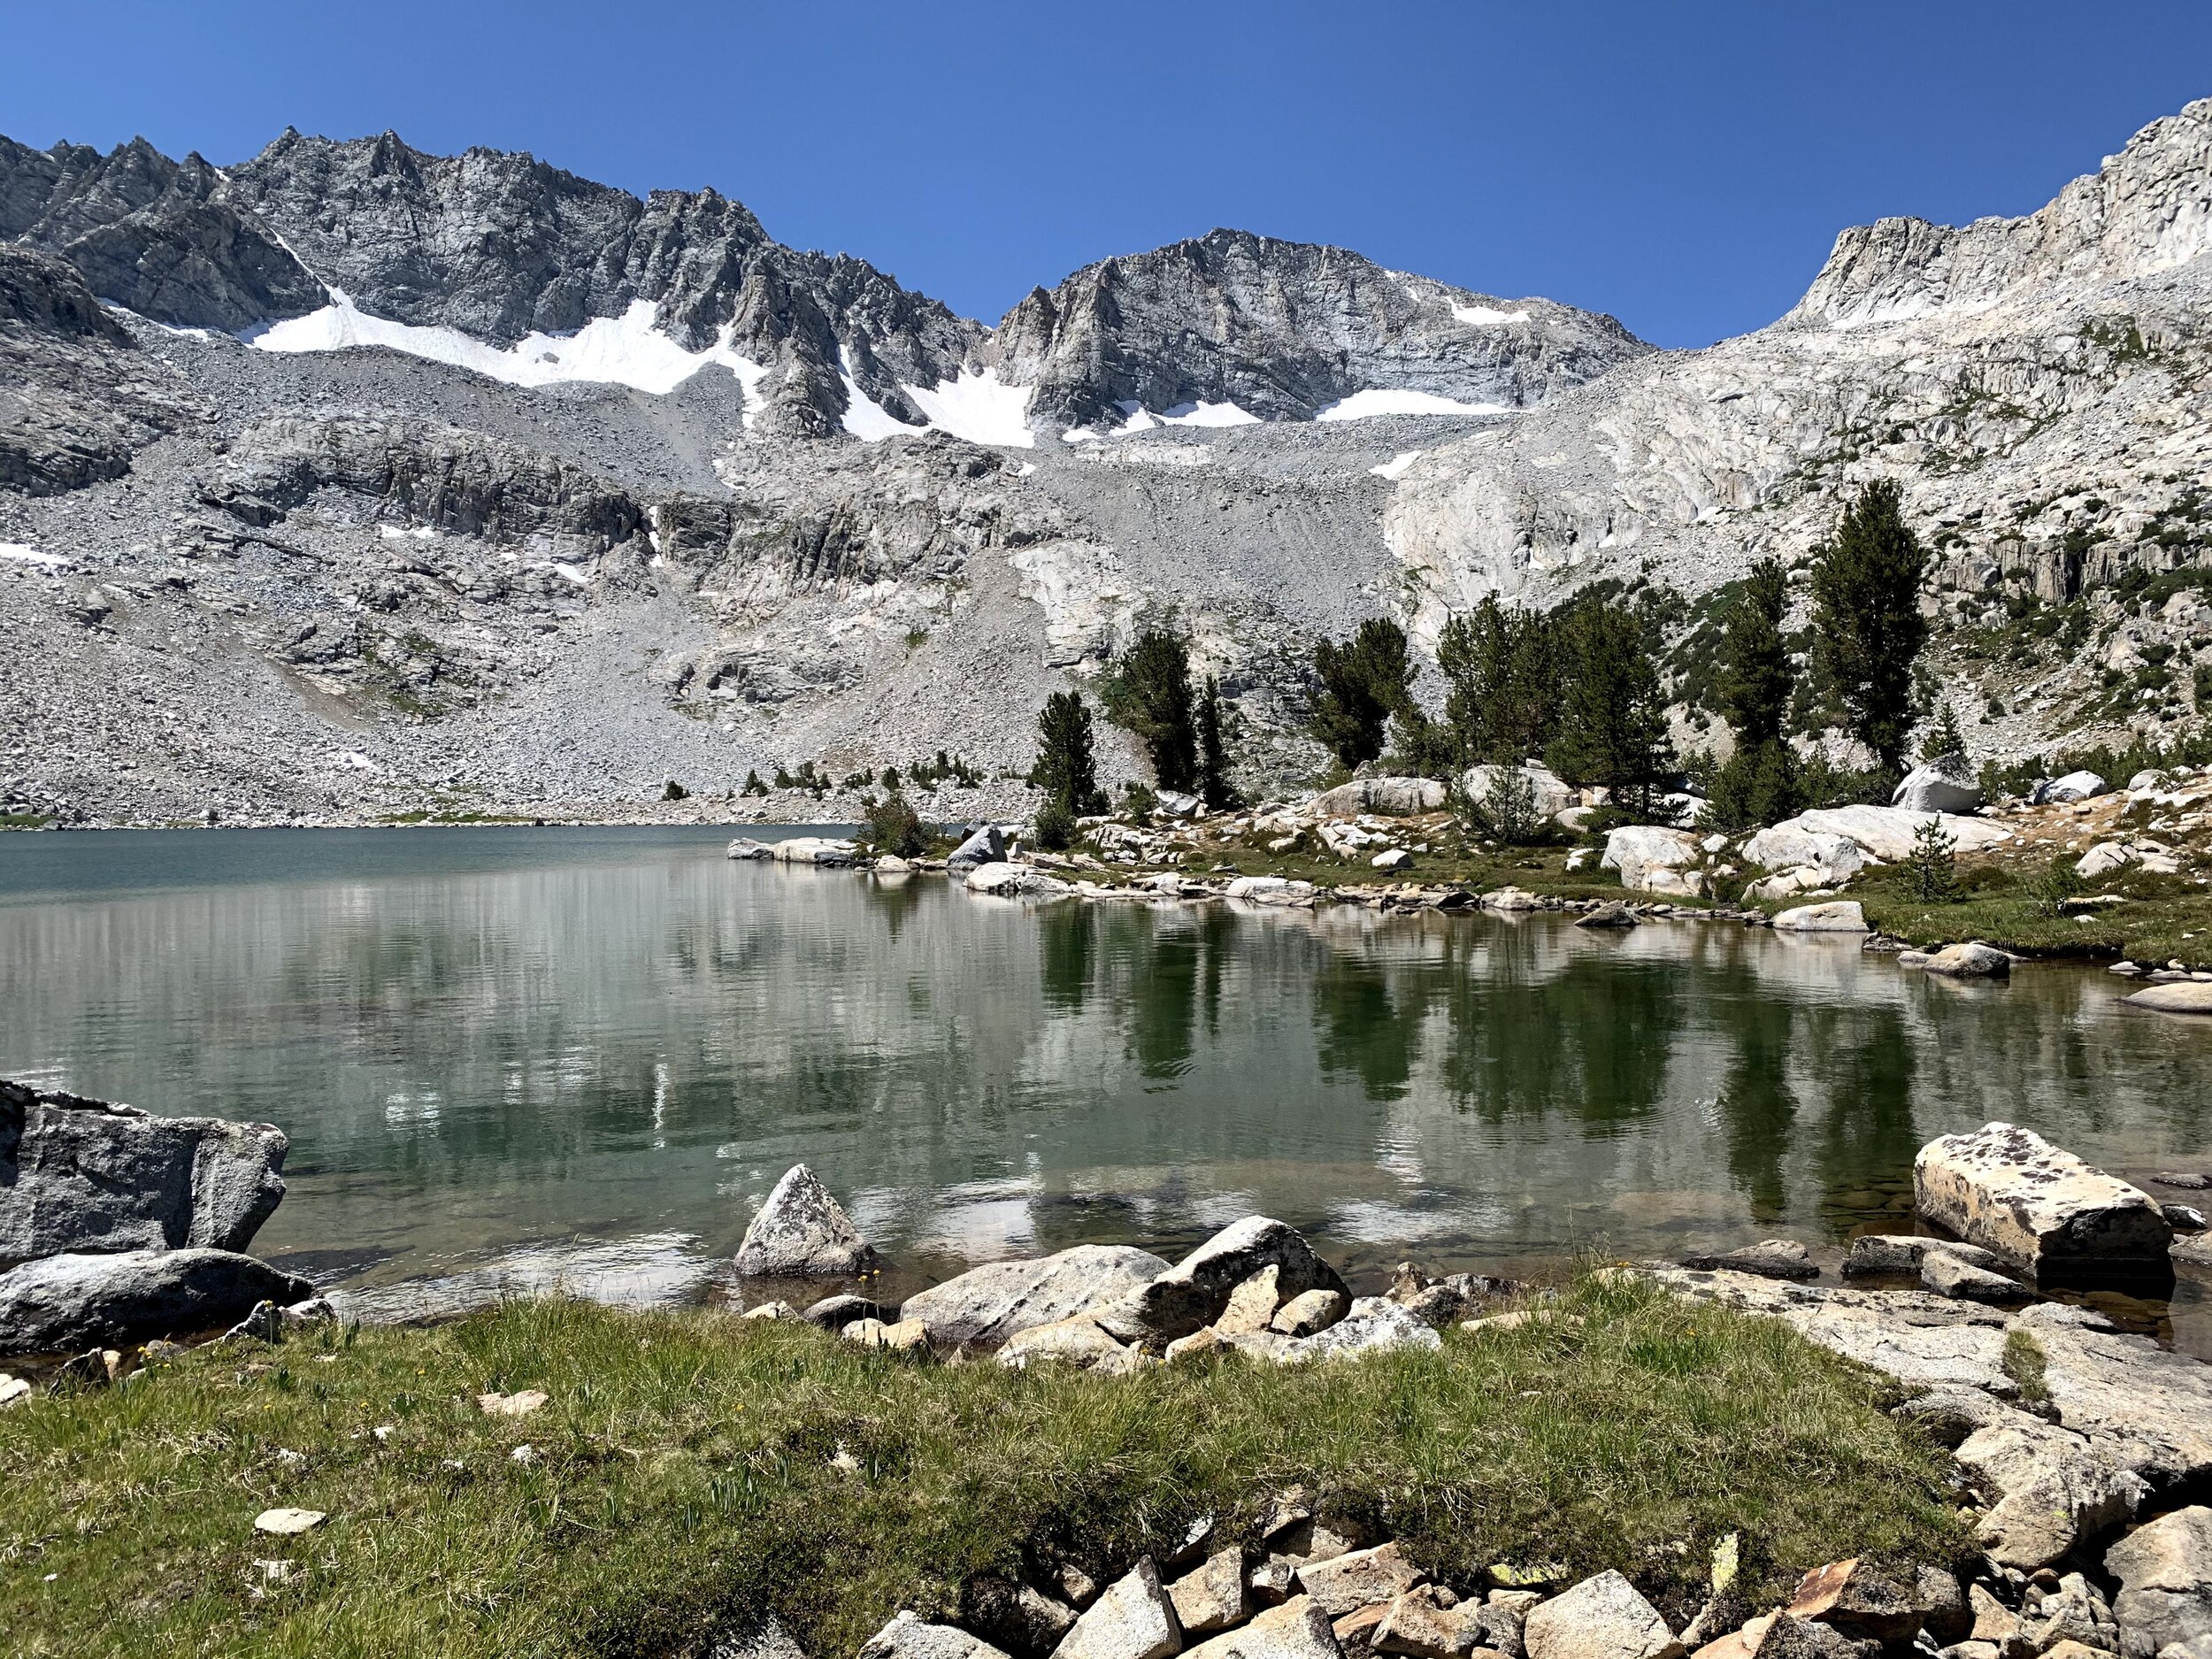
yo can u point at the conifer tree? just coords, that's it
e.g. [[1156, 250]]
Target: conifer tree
[[1214, 731], [1612, 723], [1758, 784], [1149, 696], [1364, 682], [1867, 627], [1502, 664], [1066, 769]]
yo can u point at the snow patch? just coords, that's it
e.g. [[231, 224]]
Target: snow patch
[[974, 405], [1487, 316], [1137, 418], [625, 350], [869, 420], [1395, 467], [31, 556], [575, 573], [394, 532], [1387, 401]]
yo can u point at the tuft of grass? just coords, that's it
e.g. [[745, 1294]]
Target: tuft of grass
[[25, 820], [2024, 1362], [692, 1472]]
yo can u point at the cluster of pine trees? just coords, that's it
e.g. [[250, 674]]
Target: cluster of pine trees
[[1579, 687]]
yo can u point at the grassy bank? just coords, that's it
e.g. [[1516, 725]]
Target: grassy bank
[[693, 1471]]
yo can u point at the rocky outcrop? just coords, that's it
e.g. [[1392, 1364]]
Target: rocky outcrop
[[58, 1303], [1283, 331], [802, 1233], [82, 1175], [1949, 783], [1196, 1290], [1652, 858], [2041, 1209], [1838, 916], [2165, 1573], [988, 1304]]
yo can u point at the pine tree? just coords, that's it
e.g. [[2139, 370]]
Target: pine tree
[[1215, 724], [1943, 736], [1612, 724], [1755, 678], [1504, 676], [1066, 769], [1149, 697], [1867, 627], [1364, 682], [1933, 877]]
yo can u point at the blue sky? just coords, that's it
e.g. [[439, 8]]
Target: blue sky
[[1683, 165]]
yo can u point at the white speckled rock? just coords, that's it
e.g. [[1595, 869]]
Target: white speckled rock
[[988, 1304], [802, 1233], [1838, 916], [2041, 1209], [1603, 1617], [1296, 1629], [1134, 1620]]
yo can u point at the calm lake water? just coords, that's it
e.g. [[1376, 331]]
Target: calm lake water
[[504, 1055]]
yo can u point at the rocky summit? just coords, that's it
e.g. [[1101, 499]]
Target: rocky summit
[[350, 480]]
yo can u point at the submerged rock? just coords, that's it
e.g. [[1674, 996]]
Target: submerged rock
[[60, 1302], [1971, 961], [1769, 1258], [89, 1175], [2177, 996], [2039, 1208], [802, 1233]]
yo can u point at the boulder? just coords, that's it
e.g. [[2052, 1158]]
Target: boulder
[[1608, 916], [802, 1233], [1359, 1578], [1077, 1342], [89, 1175], [1296, 1629], [1838, 916], [1133, 1619], [1652, 858], [1395, 797], [813, 850], [908, 1336], [2074, 786], [985, 845], [1769, 1258], [1855, 1599], [2056, 1493], [986, 1305], [1252, 1304], [73, 1302], [1304, 1314], [1420, 1624], [745, 847], [1887, 832], [1023, 1621], [2165, 1573], [1971, 961], [906, 1637], [1374, 1324], [2176, 997], [1551, 794], [2042, 1209], [1833, 859], [1948, 783], [2103, 859], [1902, 1254], [1948, 1275], [1214, 1596], [834, 1313], [1512, 900], [1195, 1291], [1601, 1618]]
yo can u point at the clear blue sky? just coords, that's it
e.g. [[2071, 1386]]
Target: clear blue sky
[[1684, 166]]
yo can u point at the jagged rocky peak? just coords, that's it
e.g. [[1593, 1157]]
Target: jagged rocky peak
[[1285, 331], [154, 235], [2146, 210]]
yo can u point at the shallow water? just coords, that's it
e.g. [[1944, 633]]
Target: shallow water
[[531, 1053]]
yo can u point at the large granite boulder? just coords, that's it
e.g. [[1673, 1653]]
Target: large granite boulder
[[988, 1304], [986, 846], [1948, 783], [2041, 1209], [1391, 795], [2176, 997], [2074, 786], [1837, 916], [1296, 1629], [1134, 1619], [825, 851], [1551, 793], [2165, 1573], [802, 1233], [87, 1175], [1833, 859], [60, 1302], [1652, 858], [1195, 1291], [1887, 832], [1603, 1617]]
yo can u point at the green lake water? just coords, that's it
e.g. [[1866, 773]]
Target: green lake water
[[509, 1055]]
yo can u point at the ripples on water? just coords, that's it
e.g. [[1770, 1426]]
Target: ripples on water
[[487, 1044]]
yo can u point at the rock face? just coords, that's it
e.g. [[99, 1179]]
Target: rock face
[[60, 1302], [2165, 1573], [1196, 1289], [986, 1305], [1948, 783], [1283, 331], [802, 1233], [88, 1175], [2043, 1211]]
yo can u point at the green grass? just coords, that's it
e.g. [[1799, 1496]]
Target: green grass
[[24, 820], [689, 1476], [2026, 1363]]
